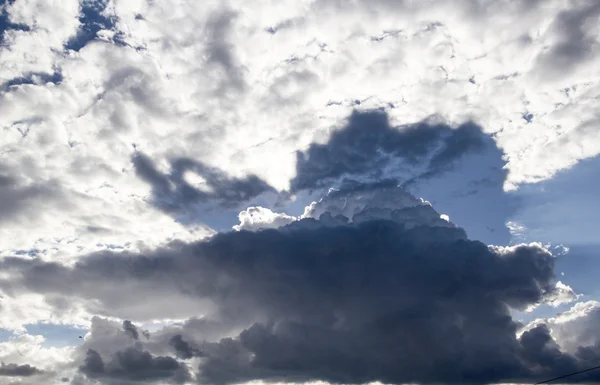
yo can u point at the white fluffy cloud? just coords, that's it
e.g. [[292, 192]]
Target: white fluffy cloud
[[242, 89], [256, 218], [47, 364]]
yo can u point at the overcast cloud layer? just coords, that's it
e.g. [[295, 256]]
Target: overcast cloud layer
[[296, 191]]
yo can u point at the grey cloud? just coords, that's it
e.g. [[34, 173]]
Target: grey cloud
[[134, 365], [130, 330], [368, 144], [326, 300], [573, 45], [17, 197], [93, 365], [172, 193], [552, 359], [183, 349], [195, 332], [460, 170], [540, 349], [220, 52], [392, 327], [14, 370]]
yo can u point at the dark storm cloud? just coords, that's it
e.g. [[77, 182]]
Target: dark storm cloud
[[14, 370], [182, 348], [540, 349], [93, 19], [382, 305], [134, 365], [368, 144], [328, 300], [172, 193], [545, 355], [130, 329]]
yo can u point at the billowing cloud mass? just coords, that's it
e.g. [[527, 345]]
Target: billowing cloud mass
[[136, 365], [363, 293], [295, 191], [14, 370], [368, 146]]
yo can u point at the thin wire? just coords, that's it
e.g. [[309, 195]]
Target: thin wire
[[568, 375]]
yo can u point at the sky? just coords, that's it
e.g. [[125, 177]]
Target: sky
[[299, 192]]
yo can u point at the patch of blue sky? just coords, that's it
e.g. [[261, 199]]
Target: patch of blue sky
[[56, 335]]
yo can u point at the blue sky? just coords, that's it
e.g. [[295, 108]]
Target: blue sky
[[296, 191]]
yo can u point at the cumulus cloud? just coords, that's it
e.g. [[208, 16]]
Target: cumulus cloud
[[27, 360], [362, 202], [134, 365], [257, 218], [563, 294], [132, 331], [395, 296], [565, 343], [183, 349], [14, 370]]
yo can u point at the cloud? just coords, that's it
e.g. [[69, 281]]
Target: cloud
[[181, 80], [33, 32], [95, 16], [175, 193], [565, 343], [134, 365], [14, 370], [539, 348], [130, 329], [564, 294], [573, 44], [384, 200], [258, 218], [26, 359], [367, 146], [17, 195], [221, 53], [226, 104], [395, 297], [183, 349], [37, 78]]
